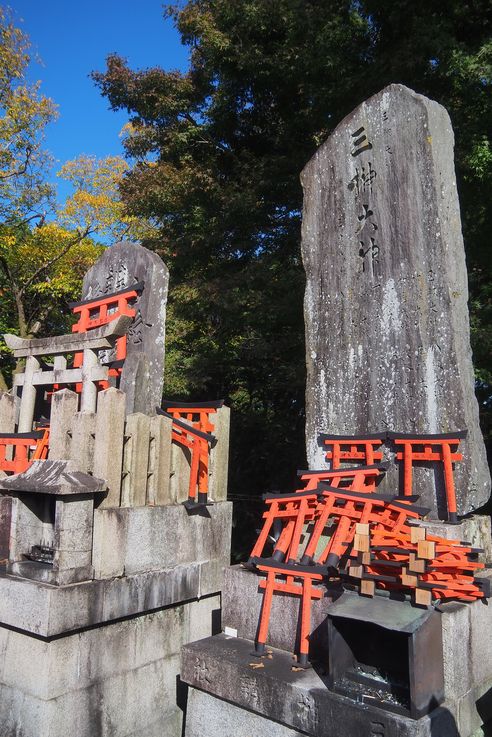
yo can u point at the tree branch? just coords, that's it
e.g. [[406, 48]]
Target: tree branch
[[22, 168], [51, 261]]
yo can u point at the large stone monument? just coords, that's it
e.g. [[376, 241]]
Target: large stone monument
[[387, 331]]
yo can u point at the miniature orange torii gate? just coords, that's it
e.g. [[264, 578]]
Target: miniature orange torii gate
[[353, 448], [430, 448], [19, 450], [101, 310], [198, 443]]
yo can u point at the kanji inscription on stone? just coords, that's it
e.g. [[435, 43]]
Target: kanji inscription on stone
[[119, 267], [387, 327]]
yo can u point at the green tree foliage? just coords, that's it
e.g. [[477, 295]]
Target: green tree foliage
[[217, 153]]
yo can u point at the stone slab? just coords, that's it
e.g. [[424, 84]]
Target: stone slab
[[49, 611], [50, 574], [120, 266], [241, 604], [387, 326], [206, 715], [133, 540], [55, 477], [221, 666]]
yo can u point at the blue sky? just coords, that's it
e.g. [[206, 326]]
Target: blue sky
[[73, 38]]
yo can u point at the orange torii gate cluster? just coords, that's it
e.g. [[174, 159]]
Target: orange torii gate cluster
[[337, 530]]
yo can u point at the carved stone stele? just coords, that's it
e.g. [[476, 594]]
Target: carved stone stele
[[387, 327]]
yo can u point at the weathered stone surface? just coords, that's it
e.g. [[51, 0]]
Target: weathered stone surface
[[118, 679], [7, 412], [119, 267], [5, 517], [135, 460], [180, 472], [64, 406], [387, 332], [82, 444], [52, 477], [133, 540], [220, 666], [207, 715], [49, 611], [219, 455], [108, 442], [158, 483], [241, 604]]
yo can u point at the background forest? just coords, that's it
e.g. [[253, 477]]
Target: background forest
[[211, 183]]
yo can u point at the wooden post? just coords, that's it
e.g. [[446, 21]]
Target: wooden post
[[63, 408], [135, 460], [108, 443], [28, 398], [158, 485]]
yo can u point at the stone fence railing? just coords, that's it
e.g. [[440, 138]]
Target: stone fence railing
[[133, 453]]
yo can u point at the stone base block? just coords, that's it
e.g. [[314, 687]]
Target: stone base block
[[130, 540], [223, 719], [49, 611], [115, 680], [277, 701]]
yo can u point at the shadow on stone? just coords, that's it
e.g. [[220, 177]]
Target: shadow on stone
[[182, 699], [484, 708], [443, 723]]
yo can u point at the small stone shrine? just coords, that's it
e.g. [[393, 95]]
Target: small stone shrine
[[368, 571], [106, 573]]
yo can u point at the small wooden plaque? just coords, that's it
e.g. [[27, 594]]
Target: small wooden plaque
[[423, 597], [417, 534], [408, 579], [416, 565], [361, 543], [426, 549], [367, 588]]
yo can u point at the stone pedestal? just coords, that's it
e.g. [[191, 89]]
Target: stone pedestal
[[277, 699], [243, 699], [101, 657]]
